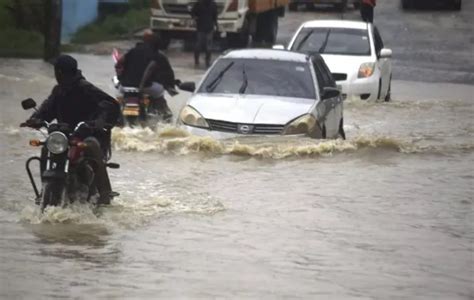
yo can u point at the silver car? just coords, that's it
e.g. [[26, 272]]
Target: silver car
[[265, 92]]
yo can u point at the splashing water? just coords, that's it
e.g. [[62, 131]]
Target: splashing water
[[177, 141]]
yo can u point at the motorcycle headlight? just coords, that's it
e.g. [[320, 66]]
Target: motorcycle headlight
[[301, 125], [57, 142], [191, 117], [366, 70]]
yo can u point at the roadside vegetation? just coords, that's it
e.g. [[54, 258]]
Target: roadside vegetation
[[113, 27], [116, 26], [20, 29], [22, 23]]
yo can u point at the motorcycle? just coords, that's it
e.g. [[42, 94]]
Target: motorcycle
[[137, 108], [66, 174]]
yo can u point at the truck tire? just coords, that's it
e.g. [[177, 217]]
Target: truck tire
[[164, 39], [260, 30], [407, 4], [341, 6], [267, 28], [457, 4], [237, 40], [189, 44], [52, 194], [272, 28], [293, 6]]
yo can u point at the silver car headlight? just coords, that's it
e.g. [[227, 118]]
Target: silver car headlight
[[302, 125], [57, 142], [191, 117]]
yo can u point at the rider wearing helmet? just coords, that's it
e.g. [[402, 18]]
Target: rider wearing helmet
[[147, 68]]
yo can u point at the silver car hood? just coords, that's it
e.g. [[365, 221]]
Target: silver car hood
[[250, 109]]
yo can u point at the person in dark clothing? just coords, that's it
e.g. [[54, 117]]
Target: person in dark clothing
[[205, 14], [147, 68], [367, 10], [74, 100]]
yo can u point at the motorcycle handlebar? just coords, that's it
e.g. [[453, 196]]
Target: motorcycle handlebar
[[35, 124]]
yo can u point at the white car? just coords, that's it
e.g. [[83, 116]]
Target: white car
[[264, 92], [355, 54]]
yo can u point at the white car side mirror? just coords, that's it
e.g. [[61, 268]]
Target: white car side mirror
[[278, 47], [385, 53]]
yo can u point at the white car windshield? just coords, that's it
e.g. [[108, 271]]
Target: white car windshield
[[342, 41], [260, 77]]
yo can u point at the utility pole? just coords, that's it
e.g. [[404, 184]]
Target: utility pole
[[52, 29]]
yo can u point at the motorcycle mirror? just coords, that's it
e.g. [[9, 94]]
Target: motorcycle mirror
[[188, 86], [28, 104]]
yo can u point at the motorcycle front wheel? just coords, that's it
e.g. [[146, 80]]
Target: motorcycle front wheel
[[52, 194]]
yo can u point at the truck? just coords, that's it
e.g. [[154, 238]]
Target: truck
[[339, 4], [238, 20]]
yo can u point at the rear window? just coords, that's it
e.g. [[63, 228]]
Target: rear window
[[343, 41]]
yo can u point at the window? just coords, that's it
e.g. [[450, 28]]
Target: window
[[378, 43], [323, 74], [260, 77], [342, 41]]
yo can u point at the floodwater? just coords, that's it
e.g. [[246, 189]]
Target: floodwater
[[387, 214]]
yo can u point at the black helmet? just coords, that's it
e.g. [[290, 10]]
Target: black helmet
[[66, 64]]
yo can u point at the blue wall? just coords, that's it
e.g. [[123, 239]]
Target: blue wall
[[77, 13]]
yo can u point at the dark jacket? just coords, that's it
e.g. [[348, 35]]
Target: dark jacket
[[78, 100], [134, 63], [163, 73], [205, 13]]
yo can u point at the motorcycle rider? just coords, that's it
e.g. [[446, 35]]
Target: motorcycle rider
[[74, 100], [147, 68]]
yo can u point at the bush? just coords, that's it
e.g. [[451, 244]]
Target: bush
[[113, 27], [21, 43]]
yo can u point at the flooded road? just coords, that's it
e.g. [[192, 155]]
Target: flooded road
[[387, 214]]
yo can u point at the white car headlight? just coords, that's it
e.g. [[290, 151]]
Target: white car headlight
[[191, 117], [57, 142], [302, 125], [366, 70]]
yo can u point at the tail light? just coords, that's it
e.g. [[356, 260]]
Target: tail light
[[155, 4], [233, 6]]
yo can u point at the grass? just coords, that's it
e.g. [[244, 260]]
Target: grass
[[113, 27], [18, 42], [21, 43]]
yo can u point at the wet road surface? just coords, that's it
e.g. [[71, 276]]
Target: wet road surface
[[387, 214]]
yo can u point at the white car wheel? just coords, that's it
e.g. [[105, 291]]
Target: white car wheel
[[388, 95]]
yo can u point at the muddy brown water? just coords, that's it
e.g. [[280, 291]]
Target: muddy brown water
[[387, 214]]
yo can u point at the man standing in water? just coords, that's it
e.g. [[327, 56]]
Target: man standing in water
[[367, 10], [205, 14]]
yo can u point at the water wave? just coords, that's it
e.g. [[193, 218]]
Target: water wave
[[125, 211], [176, 141]]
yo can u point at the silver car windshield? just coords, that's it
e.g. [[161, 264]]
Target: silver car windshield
[[260, 77], [343, 41]]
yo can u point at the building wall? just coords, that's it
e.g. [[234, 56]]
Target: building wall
[[77, 13]]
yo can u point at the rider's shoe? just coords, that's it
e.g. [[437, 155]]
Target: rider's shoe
[[105, 200]]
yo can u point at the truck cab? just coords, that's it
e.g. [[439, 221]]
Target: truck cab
[[237, 19]]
